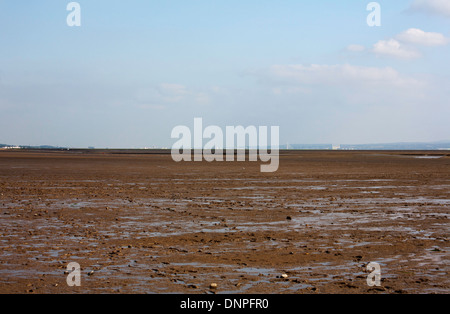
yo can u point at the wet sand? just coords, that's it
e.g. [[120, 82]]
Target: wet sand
[[141, 223]]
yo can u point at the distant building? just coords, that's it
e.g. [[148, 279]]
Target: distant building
[[11, 147], [336, 147]]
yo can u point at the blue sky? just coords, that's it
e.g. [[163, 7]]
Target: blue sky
[[134, 70]]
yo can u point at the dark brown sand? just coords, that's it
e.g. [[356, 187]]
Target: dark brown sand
[[145, 224]]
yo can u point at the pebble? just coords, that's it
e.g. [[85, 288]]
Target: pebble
[[284, 276], [213, 286]]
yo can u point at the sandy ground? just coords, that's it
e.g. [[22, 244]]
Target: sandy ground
[[141, 223]]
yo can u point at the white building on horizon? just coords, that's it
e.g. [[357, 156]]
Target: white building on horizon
[[336, 147]]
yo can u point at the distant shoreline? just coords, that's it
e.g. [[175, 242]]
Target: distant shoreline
[[161, 151]]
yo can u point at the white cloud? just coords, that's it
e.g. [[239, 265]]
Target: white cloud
[[403, 46], [394, 48], [439, 7], [419, 37]]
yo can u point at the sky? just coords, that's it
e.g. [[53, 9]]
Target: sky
[[134, 70]]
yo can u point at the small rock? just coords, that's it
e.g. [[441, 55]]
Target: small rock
[[213, 286], [284, 276], [91, 273]]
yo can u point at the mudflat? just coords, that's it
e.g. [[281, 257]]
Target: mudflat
[[141, 223]]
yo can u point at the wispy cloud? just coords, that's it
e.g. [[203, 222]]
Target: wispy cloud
[[348, 97], [394, 48], [420, 37], [162, 95], [342, 75], [356, 48], [404, 45], [435, 7]]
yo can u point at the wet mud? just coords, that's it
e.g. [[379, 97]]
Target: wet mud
[[142, 223]]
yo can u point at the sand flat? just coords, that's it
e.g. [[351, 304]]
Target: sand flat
[[145, 224]]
